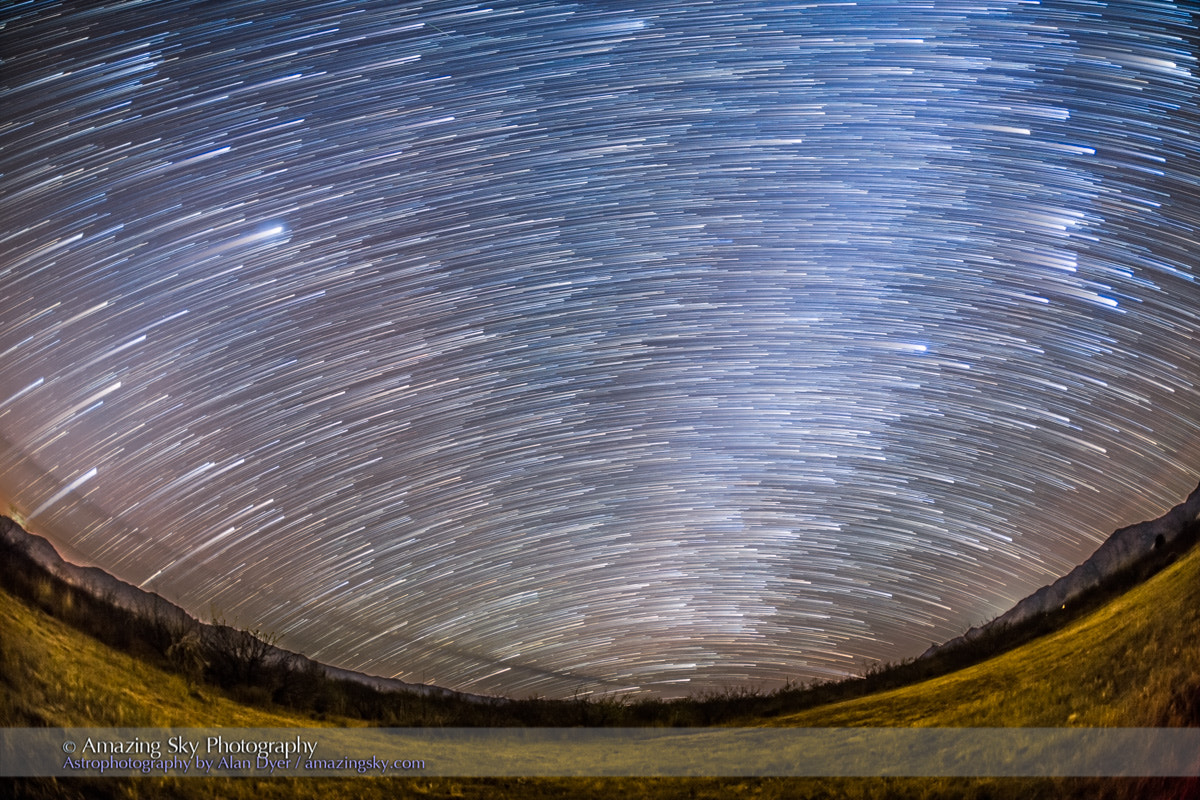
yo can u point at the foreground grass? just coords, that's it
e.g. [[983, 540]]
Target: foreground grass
[[55, 676], [1132, 662]]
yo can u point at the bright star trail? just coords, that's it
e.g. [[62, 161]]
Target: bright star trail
[[550, 347]]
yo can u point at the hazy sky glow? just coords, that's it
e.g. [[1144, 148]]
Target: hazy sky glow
[[543, 347]]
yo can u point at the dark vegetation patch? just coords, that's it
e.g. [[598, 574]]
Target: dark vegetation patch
[[238, 666], [251, 670]]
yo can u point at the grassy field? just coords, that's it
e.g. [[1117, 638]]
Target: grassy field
[[55, 676], [1132, 662]]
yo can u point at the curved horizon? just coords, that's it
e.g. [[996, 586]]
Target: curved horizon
[[551, 347]]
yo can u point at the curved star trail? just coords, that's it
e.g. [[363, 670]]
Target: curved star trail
[[550, 347]]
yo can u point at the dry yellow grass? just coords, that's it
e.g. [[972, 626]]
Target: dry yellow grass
[[1133, 662], [58, 677]]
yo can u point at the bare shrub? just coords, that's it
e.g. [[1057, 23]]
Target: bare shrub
[[188, 655], [237, 657]]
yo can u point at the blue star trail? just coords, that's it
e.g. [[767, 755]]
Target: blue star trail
[[555, 348]]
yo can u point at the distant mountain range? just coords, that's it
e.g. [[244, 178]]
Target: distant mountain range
[[41, 555], [1124, 549]]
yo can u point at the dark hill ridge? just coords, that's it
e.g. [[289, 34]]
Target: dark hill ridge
[[1125, 549], [18, 545]]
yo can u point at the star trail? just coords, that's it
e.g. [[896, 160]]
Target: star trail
[[555, 348]]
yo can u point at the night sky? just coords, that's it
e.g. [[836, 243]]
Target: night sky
[[551, 347]]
